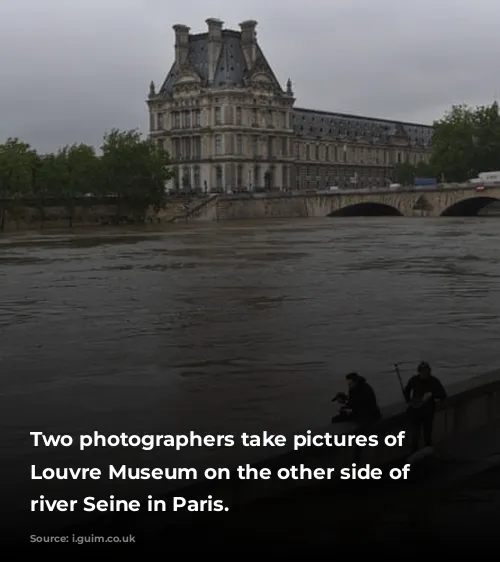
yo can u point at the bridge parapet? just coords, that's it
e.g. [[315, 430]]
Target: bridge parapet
[[450, 199], [420, 202]]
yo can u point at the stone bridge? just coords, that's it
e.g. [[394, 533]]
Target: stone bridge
[[442, 201], [448, 201]]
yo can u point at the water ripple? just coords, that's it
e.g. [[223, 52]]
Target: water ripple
[[217, 324]]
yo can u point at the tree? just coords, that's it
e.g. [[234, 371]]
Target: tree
[[131, 170], [466, 142], [425, 170], [78, 166], [135, 171], [406, 173], [83, 165], [49, 176], [487, 138], [17, 165]]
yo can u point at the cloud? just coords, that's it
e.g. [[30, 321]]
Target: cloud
[[72, 70]]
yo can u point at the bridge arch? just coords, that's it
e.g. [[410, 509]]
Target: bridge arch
[[366, 209], [468, 207]]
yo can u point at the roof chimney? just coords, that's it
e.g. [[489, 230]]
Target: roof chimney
[[214, 45], [249, 41], [181, 43], [214, 29]]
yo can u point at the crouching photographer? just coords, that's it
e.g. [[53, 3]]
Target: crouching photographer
[[359, 405]]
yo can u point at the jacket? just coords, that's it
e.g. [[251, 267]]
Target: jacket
[[362, 400], [418, 386]]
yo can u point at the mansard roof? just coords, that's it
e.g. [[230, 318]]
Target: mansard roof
[[231, 68], [309, 122]]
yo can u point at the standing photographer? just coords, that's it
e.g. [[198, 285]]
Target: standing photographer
[[421, 393], [360, 405]]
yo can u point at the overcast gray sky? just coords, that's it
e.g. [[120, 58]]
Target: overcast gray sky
[[71, 69]]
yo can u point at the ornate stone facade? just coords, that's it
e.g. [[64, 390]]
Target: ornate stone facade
[[229, 125]]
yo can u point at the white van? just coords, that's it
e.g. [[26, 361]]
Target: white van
[[489, 177]]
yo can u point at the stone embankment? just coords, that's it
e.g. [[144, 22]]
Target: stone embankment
[[105, 212], [466, 438], [89, 212]]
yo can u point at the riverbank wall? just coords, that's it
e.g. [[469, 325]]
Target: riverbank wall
[[91, 212], [300, 205], [471, 405], [94, 212]]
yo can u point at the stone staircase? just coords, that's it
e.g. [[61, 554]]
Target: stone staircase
[[202, 210]]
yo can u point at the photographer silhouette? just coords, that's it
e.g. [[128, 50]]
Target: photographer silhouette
[[359, 405], [421, 393]]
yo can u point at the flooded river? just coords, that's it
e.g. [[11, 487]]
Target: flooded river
[[233, 326]]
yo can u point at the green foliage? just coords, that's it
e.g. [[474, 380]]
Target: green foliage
[[49, 171], [466, 142], [79, 171], [134, 170], [131, 170], [17, 165], [17, 169], [406, 173]]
